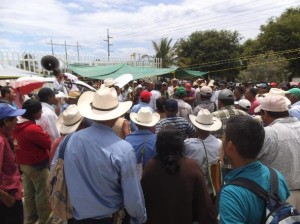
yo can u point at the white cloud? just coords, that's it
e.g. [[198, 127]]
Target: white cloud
[[133, 24]]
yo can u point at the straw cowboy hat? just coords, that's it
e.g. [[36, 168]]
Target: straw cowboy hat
[[145, 117], [69, 120], [205, 121], [73, 94], [102, 105]]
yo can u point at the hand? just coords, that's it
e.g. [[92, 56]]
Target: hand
[[7, 199]]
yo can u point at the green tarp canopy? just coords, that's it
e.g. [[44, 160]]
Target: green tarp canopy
[[114, 71]]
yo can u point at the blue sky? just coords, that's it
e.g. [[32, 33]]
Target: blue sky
[[133, 24]]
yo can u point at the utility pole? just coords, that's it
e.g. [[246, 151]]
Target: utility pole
[[108, 44], [65, 45]]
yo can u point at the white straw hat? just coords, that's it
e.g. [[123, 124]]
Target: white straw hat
[[205, 121], [145, 117], [102, 105], [69, 120]]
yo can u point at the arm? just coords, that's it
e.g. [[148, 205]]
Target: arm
[[39, 137], [126, 128], [131, 187]]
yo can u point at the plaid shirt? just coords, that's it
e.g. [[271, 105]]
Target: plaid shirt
[[224, 114]]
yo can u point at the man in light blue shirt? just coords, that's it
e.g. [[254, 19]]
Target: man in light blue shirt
[[143, 140], [100, 167], [243, 140]]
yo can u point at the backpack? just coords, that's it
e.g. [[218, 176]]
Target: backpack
[[277, 212], [57, 188]]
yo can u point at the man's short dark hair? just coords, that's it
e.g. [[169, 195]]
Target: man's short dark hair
[[247, 134], [227, 102], [5, 90], [253, 91], [32, 107], [56, 72], [45, 93], [276, 115]]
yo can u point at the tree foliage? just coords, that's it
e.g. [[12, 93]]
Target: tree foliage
[[213, 51], [265, 68], [283, 34], [165, 51]]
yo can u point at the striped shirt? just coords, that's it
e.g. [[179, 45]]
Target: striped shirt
[[224, 114], [186, 128]]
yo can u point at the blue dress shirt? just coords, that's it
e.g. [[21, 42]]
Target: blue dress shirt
[[143, 140], [101, 175]]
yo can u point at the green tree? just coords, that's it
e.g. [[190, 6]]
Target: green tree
[[212, 51], [283, 34], [265, 68], [165, 51]]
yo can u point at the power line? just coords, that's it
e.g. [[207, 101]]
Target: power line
[[251, 65], [220, 62], [205, 24]]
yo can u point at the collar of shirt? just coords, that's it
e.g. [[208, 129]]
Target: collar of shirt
[[48, 106], [296, 104], [244, 169], [141, 132], [284, 120], [230, 107]]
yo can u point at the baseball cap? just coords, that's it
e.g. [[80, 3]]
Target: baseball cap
[[225, 94], [273, 84], [294, 91], [223, 82], [171, 105], [262, 85], [7, 110], [205, 91], [244, 103], [145, 95], [273, 103], [180, 91]]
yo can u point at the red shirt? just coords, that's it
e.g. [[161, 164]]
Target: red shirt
[[10, 178], [254, 104], [32, 143]]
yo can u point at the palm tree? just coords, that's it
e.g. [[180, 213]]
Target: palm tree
[[165, 51]]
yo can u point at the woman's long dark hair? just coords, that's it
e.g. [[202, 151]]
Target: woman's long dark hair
[[170, 147]]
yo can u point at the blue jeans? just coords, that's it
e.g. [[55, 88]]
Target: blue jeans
[[35, 194]]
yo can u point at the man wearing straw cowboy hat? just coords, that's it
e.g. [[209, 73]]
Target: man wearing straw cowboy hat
[[205, 148], [143, 140], [100, 167]]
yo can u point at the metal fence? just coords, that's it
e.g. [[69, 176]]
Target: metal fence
[[31, 60]]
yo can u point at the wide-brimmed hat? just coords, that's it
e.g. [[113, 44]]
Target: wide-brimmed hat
[[102, 105], [273, 92], [145, 117], [69, 120], [273, 103], [205, 121], [73, 94]]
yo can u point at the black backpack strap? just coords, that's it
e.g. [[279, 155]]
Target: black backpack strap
[[62, 149], [274, 183], [251, 186]]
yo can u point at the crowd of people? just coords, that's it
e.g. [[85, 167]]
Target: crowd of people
[[147, 149]]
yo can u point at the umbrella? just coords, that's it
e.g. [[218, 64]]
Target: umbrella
[[122, 80], [28, 84]]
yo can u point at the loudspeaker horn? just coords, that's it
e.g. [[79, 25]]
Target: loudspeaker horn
[[50, 62]]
